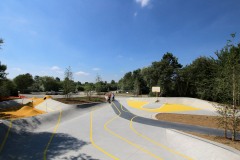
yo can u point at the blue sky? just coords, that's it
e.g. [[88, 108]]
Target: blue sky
[[110, 37]]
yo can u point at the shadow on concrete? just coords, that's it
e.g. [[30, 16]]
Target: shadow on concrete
[[29, 123], [87, 105], [126, 114], [81, 156], [21, 145], [7, 104]]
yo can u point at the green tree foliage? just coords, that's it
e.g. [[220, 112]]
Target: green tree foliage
[[23, 82], [100, 86], [228, 81], [50, 83], [167, 69], [7, 88], [89, 87], [3, 74], [3, 68], [113, 86], [202, 73], [162, 73], [68, 83], [37, 85], [127, 83]]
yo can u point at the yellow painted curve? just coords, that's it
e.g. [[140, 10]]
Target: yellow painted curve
[[126, 140], [165, 108], [156, 143], [153, 141], [54, 132], [136, 104], [93, 143], [6, 137]]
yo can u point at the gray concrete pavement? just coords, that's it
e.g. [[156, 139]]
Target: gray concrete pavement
[[101, 132]]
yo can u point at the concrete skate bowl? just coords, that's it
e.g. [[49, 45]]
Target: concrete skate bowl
[[48, 119], [34, 133], [172, 104]]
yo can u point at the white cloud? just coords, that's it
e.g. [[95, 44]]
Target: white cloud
[[55, 68], [96, 69], [81, 73], [143, 3]]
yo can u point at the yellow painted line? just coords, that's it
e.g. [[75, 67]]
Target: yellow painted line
[[94, 144], [122, 108], [156, 143], [126, 140], [153, 141], [6, 136], [54, 132]]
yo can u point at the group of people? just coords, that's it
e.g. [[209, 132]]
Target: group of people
[[110, 96]]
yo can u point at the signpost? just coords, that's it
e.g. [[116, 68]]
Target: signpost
[[156, 90]]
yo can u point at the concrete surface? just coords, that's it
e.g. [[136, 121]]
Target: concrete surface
[[102, 132]]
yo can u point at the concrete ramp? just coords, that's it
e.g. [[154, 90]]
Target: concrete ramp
[[100, 132]]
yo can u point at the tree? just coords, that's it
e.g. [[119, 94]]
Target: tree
[[113, 86], [37, 84], [228, 81], [164, 74], [3, 68], [68, 83], [58, 79], [100, 86], [7, 88], [50, 83], [23, 81], [89, 87], [127, 82], [3, 74], [201, 74]]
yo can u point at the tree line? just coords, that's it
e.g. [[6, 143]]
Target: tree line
[[26, 83], [208, 78]]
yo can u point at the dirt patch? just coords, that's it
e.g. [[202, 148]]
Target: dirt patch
[[80, 100], [199, 120]]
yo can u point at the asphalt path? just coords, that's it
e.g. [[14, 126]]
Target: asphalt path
[[103, 132]]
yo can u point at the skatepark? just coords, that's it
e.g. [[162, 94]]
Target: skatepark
[[124, 129]]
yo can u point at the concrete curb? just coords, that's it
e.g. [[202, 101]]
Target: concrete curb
[[209, 141]]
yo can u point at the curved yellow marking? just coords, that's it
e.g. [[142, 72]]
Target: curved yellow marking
[[122, 108], [6, 136], [126, 140], [156, 143], [153, 141], [54, 132], [93, 143], [136, 104], [164, 108]]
